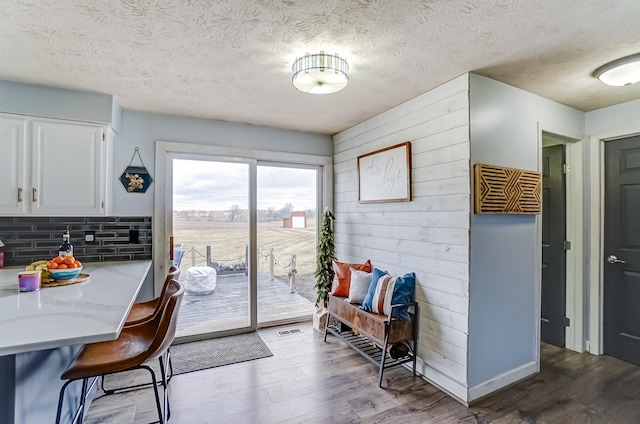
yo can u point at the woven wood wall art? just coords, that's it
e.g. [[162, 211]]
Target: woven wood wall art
[[500, 190]]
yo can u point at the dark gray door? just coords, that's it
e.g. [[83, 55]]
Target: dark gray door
[[622, 250], [552, 312]]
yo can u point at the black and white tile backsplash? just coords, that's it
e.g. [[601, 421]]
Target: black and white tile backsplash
[[27, 239]]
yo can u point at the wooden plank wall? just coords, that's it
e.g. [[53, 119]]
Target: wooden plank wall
[[430, 234]]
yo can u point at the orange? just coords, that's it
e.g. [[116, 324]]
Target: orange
[[62, 266], [52, 265], [79, 264], [58, 259], [68, 260], [73, 265]]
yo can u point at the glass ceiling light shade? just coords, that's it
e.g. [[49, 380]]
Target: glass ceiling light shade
[[320, 73], [621, 72]]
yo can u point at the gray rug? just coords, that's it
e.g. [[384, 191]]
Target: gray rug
[[194, 356]]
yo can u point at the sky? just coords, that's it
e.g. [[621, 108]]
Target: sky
[[208, 185]]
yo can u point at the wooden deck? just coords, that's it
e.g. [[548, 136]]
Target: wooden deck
[[228, 306]]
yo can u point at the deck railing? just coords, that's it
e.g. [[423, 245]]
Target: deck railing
[[241, 267]]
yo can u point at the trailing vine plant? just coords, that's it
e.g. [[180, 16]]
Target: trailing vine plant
[[324, 259]]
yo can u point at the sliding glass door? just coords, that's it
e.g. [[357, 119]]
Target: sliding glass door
[[287, 209], [241, 225], [211, 237]]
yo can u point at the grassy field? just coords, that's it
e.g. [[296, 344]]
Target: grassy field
[[228, 241]]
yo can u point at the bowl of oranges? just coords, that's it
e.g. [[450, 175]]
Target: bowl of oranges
[[64, 267]]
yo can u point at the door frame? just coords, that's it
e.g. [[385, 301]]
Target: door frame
[[165, 151], [595, 345], [574, 258]]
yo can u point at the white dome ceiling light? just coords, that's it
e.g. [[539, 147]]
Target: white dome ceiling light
[[621, 72], [320, 73]]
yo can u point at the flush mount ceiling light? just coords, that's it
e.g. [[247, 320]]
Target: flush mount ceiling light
[[621, 72], [320, 73]]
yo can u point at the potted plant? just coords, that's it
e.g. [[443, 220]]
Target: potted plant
[[325, 254]]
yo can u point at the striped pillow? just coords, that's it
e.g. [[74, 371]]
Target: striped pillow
[[385, 291], [383, 295]]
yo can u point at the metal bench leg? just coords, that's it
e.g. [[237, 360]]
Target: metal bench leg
[[326, 326], [384, 358]]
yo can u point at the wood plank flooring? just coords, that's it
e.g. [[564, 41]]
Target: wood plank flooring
[[309, 381]]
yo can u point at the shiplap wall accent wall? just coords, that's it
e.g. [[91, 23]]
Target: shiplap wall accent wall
[[430, 234]]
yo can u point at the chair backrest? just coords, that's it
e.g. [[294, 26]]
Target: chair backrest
[[161, 301], [167, 322], [173, 274]]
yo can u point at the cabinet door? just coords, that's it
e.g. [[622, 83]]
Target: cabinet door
[[67, 167], [12, 165]]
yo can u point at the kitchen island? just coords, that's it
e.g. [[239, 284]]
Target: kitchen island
[[41, 331]]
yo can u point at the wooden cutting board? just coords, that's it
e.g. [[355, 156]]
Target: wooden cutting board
[[81, 278]]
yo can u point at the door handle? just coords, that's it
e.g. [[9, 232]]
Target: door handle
[[33, 195], [19, 195], [614, 260]]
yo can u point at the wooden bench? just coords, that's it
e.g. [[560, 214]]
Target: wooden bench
[[371, 334]]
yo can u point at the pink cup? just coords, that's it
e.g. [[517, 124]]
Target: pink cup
[[29, 281]]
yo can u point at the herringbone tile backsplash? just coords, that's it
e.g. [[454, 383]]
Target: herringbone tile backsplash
[[28, 239]]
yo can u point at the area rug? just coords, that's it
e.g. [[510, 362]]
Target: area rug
[[211, 353]]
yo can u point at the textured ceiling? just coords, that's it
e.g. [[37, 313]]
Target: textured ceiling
[[231, 59]]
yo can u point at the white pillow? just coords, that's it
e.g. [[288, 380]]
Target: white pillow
[[359, 285]]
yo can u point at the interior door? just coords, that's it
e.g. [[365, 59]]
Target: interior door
[[622, 249], [552, 326]]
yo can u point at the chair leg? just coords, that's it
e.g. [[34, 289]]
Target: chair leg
[[170, 364], [161, 419], [135, 386], [165, 382], [79, 415]]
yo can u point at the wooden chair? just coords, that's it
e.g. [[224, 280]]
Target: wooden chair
[[144, 311], [136, 344]]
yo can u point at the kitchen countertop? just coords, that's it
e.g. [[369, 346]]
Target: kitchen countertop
[[87, 312]]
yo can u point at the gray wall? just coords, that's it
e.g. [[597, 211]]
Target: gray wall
[[51, 102], [505, 255], [141, 129], [614, 121]]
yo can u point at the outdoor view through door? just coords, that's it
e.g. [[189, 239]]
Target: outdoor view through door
[[211, 235], [286, 243]]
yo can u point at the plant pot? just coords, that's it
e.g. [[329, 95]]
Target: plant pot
[[320, 319]]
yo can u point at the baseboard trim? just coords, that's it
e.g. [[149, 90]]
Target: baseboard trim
[[501, 381], [451, 387]]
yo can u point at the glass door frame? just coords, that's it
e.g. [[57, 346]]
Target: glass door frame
[[163, 203]]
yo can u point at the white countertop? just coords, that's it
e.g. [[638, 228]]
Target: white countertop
[[91, 311]]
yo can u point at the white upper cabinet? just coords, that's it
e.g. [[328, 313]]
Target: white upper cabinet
[[12, 165], [64, 167]]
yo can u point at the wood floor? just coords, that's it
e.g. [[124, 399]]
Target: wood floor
[[309, 381]]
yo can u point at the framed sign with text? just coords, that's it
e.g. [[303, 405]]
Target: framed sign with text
[[385, 175]]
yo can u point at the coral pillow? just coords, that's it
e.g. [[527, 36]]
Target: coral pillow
[[342, 278], [385, 291]]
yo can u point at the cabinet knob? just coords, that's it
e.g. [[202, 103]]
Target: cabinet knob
[[33, 195], [19, 195]]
